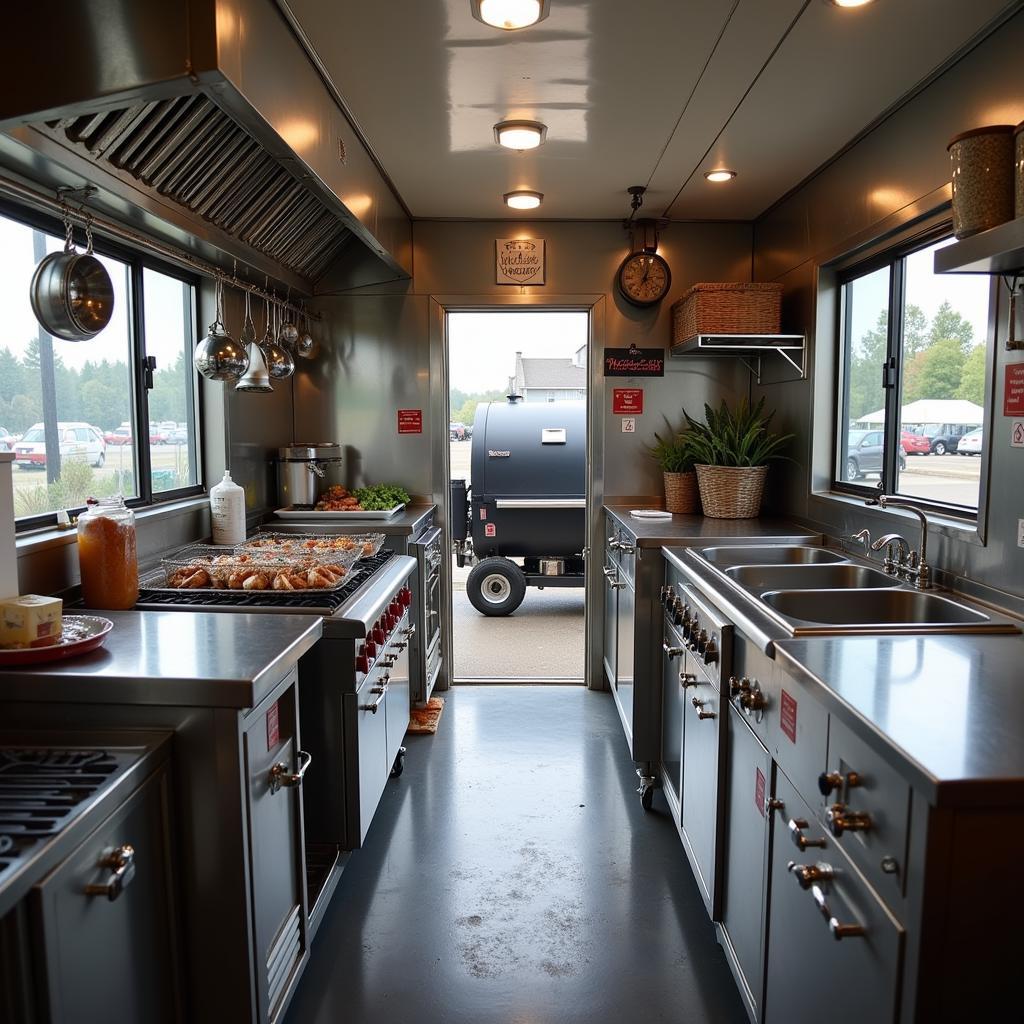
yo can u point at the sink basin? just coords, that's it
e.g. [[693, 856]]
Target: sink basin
[[875, 611], [759, 578], [769, 554]]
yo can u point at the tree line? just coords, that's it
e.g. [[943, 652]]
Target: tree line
[[462, 404], [941, 360], [99, 393]]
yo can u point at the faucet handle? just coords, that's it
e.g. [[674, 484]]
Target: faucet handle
[[863, 536]]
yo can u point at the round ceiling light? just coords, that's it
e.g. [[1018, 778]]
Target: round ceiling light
[[509, 14], [720, 174], [520, 134], [849, 3], [523, 199]]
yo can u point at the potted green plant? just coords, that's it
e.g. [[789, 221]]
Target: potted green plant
[[674, 455], [731, 451]]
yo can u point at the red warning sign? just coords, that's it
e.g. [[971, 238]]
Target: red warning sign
[[627, 401], [410, 421], [489, 530], [759, 790], [273, 726], [1013, 392], [787, 716]]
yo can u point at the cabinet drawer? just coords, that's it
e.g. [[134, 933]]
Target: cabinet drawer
[[834, 951], [867, 810]]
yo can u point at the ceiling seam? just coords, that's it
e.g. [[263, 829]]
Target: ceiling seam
[[696, 86], [771, 56]]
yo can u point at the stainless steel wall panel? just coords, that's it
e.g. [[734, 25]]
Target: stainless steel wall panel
[[894, 175]]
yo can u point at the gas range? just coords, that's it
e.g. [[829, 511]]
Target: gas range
[[46, 794]]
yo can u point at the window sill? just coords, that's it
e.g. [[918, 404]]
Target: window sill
[[963, 530], [50, 537]]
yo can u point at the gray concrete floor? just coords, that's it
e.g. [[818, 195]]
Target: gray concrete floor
[[511, 876]]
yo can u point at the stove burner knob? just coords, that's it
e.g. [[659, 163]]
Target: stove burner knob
[[362, 663], [405, 596], [396, 608], [370, 649], [390, 621], [710, 651], [377, 634]]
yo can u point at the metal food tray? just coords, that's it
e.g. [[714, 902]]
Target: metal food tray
[[376, 540], [308, 512]]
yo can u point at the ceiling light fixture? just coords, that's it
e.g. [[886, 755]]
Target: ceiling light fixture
[[509, 14], [523, 199], [720, 174], [849, 3], [520, 134]]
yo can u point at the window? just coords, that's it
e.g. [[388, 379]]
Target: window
[[73, 412], [912, 380]]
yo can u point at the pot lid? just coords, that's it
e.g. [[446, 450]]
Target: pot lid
[[304, 451]]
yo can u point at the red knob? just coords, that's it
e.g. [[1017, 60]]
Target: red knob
[[396, 608], [377, 635], [405, 597], [390, 621], [362, 663], [370, 649]]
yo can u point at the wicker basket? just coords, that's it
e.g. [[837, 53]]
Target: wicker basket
[[727, 309], [731, 492], [982, 169], [681, 492]]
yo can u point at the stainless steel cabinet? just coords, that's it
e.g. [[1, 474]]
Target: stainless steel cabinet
[[834, 951], [396, 700], [107, 937], [275, 767], [702, 717], [672, 696], [749, 787]]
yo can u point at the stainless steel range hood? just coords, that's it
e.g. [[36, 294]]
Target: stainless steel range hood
[[204, 122]]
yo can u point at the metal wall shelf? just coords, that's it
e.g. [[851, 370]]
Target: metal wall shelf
[[749, 349], [1000, 250]]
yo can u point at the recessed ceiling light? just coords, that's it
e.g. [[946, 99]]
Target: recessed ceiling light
[[720, 174], [523, 199], [520, 134], [849, 3], [509, 14]]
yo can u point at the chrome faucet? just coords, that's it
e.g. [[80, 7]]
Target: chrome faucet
[[908, 564], [863, 537]]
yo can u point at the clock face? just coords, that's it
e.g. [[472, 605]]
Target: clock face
[[644, 278]]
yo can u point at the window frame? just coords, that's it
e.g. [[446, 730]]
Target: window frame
[[893, 256], [137, 260]]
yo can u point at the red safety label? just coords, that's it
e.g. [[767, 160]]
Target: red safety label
[[483, 513], [273, 726], [1013, 392], [627, 401], [410, 421], [489, 530], [787, 716]]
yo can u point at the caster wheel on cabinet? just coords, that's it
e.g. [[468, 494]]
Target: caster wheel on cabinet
[[399, 766], [647, 799]]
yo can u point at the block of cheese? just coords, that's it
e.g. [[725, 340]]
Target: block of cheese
[[30, 621]]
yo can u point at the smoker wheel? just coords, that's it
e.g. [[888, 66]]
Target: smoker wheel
[[496, 586], [399, 766]]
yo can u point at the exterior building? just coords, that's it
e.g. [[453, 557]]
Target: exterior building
[[551, 380]]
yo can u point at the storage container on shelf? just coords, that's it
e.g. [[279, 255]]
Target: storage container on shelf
[[107, 555]]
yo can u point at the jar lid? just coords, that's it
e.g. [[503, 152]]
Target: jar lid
[[302, 451], [992, 129]]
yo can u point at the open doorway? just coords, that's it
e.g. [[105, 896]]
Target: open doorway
[[518, 483]]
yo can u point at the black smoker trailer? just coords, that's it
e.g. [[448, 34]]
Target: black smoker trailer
[[527, 501]]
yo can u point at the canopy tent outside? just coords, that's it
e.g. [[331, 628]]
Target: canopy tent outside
[[931, 410]]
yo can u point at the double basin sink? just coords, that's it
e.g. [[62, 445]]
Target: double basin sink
[[817, 590]]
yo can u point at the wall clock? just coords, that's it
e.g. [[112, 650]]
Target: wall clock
[[644, 278]]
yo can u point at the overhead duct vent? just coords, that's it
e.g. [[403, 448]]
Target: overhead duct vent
[[193, 154]]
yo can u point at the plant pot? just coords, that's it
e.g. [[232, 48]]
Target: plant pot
[[731, 492], [681, 492]]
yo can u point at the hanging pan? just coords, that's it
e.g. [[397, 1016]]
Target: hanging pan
[[71, 292]]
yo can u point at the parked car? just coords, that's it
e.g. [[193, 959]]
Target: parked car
[[121, 436], [179, 435], [971, 444], [79, 442], [457, 431], [864, 452], [945, 437], [914, 444]]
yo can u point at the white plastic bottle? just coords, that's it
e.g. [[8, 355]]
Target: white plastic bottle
[[227, 511]]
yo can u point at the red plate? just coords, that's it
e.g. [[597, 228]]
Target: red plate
[[82, 633]]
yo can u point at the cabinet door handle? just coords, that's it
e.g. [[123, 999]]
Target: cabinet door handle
[[699, 708], [122, 862], [672, 652], [796, 833], [839, 931], [280, 777], [381, 692]]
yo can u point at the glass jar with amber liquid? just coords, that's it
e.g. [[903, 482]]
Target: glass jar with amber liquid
[[107, 555]]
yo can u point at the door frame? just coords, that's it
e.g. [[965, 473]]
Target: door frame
[[594, 306]]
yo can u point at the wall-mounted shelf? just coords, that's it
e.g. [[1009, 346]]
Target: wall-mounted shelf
[[1000, 250], [750, 349]]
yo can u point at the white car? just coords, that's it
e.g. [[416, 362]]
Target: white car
[[970, 444], [79, 442]]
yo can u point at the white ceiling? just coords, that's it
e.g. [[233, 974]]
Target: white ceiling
[[649, 92]]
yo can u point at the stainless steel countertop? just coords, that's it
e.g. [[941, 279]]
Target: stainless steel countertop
[[682, 531], [407, 523], [947, 712], [200, 659], [950, 707]]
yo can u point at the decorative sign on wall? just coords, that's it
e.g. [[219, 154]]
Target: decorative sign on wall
[[519, 261], [627, 401], [634, 362], [410, 421], [1013, 392]]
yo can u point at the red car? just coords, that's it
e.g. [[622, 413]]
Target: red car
[[915, 444]]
